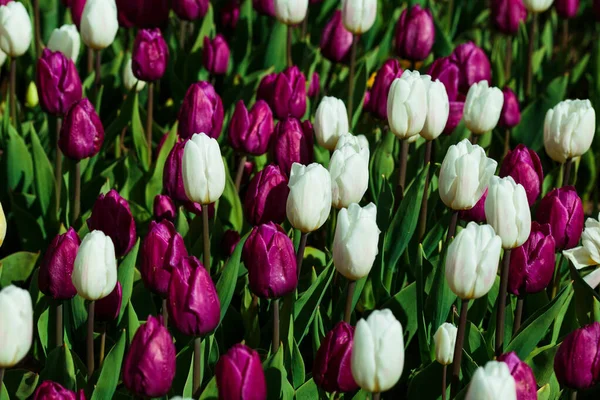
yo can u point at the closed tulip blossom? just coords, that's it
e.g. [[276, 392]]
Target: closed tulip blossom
[[240, 375], [332, 370], [563, 210], [269, 256], [172, 174], [576, 363], [359, 15], [250, 132], [389, 71], [292, 143], [538, 6], [193, 304], [56, 269], [229, 242], [76, 9], [566, 8], [336, 40], [58, 82], [473, 64], [314, 87], [596, 9], [149, 365], [285, 92], [525, 167], [309, 202], [99, 23], [15, 29], [264, 7], [438, 108], [108, 308], [95, 268], [569, 129], [129, 79], [464, 175], [266, 197], [349, 170], [331, 121], [415, 33], [150, 55], [511, 114], [378, 352], [82, 133], [491, 382], [407, 105], [66, 40], [190, 10], [2, 225], [447, 71], [49, 390], [163, 208], [215, 55], [16, 325], [291, 12], [230, 14], [477, 213], [472, 261], [201, 111], [507, 15], [483, 107], [203, 170], [589, 253], [522, 374], [445, 339]]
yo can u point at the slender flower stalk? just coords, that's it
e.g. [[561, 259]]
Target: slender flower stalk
[[533, 28], [351, 78], [423, 215], [149, 120], [502, 295], [460, 339], [90, 339]]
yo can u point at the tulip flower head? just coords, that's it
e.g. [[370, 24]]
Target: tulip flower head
[[522, 374], [525, 167], [569, 129], [150, 55], [266, 196], [108, 308], [291, 12], [309, 202], [292, 143], [438, 108], [99, 23], [201, 111], [52, 390], [445, 339], [491, 382], [203, 169], [415, 33], [82, 133], [331, 121], [508, 15], [56, 269], [163, 208], [563, 210], [2, 225], [359, 15], [215, 55], [566, 8], [349, 170], [389, 71], [95, 268], [240, 375], [576, 361], [332, 369], [407, 105], [190, 10], [15, 29], [129, 79], [66, 40], [511, 114], [251, 131], [336, 40], [16, 325], [538, 6], [589, 252], [483, 107]]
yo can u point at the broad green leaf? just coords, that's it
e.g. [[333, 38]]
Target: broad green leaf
[[44, 174], [111, 369], [21, 383], [276, 55], [60, 368], [229, 276], [17, 267], [307, 304], [139, 138], [229, 206], [155, 185], [278, 386], [308, 391], [19, 164], [211, 391], [126, 274], [404, 307]]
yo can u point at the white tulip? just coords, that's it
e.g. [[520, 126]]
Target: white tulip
[[2, 225], [378, 352], [492, 382], [331, 122], [445, 339], [358, 140], [203, 170], [355, 241], [569, 129], [309, 202], [129, 80], [537, 6], [507, 211], [66, 40], [95, 269], [349, 170], [464, 175], [472, 261], [291, 12], [589, 253], [358, 16], [16, 325], [483, 107], [15, 29], [438, 108], [407, 105], [99, 23]]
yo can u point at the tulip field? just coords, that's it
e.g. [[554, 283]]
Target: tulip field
[[299, 199]]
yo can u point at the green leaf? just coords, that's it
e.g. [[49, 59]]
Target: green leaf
[[111, 369], [404, 307], [44, 174], [228, 279], [17, 267], [210, 392], [155, 185], [360, 82], [139, 138], [230, 206], [206, 29], [277, 48], [278, 386], [308, 303], [308, 391], [19, 164], [422, 330], [60, 368], [21, 383], [126, 274]]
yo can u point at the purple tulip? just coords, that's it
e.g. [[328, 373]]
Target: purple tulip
[[5, 2], [230, 14], [162, 250], [415, 33], [532, 264], [164, 208], [240, 375], [511, 114], [215, 55], [315, 86], [332, 367], [508, 15], [230, 240], [269, 256], [193, 303], [577, 361], [448, 72], [473, 64], [477, 213], [251, 132], [127, 13], [566, 9], [76, 8], [596, 9], [336, 41], [54, 277], [172, 174], [58, 83], [264, 7], [49, 390], [266, 197], [144, 14], [454, 117], [525, 167], [190, 10], [82, 133], [285, 92], [111, 215], [201, 111], [266, 88], [149, 366], [108, 308], [293, 143], [377, 104], [563, 210], [523, 376], [150, 55]]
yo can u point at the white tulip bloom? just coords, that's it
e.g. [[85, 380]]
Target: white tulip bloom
[[203, 170], [291, 12], [438, 108], [99, 23], [358, 16], [589, 252], [66, 40], [537, 6], [569, 129], [129, 80], [309, 202], [16, 325], [331, 122], [483, 107], [15, 29], [407, 105], [349, 170], [95, 268], [445, 340], [492, 382]]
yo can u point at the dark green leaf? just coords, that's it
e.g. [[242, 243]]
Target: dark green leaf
[[17, 267], [126, 274], [228, 279], [44, 174], [111, 369]]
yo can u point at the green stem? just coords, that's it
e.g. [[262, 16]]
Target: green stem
[[500, 316], [349, 297], [276, 339], [300, 253], [458, 348], [90, 339], [351, 79], [197, 382], [149, 120], [206, 237]]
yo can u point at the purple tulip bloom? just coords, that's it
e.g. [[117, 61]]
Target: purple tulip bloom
[[58, 83]]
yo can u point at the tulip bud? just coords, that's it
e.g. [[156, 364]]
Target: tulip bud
[[438, 108], [129, 80], [291, 12], [589, 253], [359, 15], [464, 175], [525, 384], [359, 142], [525, 167], [230, 14], [356, 240], [315, 86], [445, 339], [446, 70], [473, 64], [150, 55], [229, 242], [563, 210], [331, 121], [483, 107], [99, 24], [266, 88], [576, 361], [349, 170], [511, 115], [149, 365], [569, 129], [240, 375], [49, 390], [336, 41], [190, 10], [508, 15], [293, 143], [477, 213], [264, 7], [491, 382], [164, 208], [378, 352], [309, 202], [193, 303], [82, 133], [108, 308], [251, 132], [269, 256], [143, 14], [285, 92], [415, 33], [162, 250], [472, 261], [76, 8], [215, 55], [56, 269], [172, 174], [66, 40], [378, 101], [537, 6], [266, 197], [203, 170], [16, 325], [201, 111], [407, 105], [15, 29], [31, 96], [332, 369], [59, 86], [95, 268], [2, 225]]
